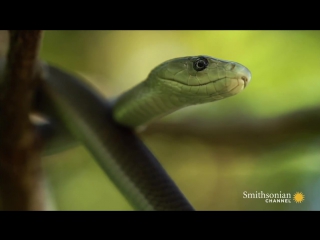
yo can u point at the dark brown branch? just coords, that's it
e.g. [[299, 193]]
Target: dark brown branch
[[246, 134], [4, 39], [20, 165]]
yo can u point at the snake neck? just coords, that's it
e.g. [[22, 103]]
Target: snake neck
[[144, 103]]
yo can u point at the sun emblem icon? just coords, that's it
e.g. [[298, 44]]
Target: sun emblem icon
[[298, 197]]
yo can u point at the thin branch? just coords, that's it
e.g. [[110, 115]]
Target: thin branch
[[21, 182], [246, 134]]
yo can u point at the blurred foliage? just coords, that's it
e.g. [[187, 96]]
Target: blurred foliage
[[285, 77]]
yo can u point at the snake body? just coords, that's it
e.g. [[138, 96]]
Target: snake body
[[104, 127], [119, 152]]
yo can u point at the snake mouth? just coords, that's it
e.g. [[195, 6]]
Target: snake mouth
[[194, 85], [215, 89]]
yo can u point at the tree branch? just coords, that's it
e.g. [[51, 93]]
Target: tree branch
[[20, 163], [246, 134]]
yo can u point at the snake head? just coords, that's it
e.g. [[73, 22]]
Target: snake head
[[202, 78]]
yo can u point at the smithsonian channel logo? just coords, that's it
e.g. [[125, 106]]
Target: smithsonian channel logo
[[279, 197]]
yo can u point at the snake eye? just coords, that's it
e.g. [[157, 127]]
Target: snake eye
[[200, 64]]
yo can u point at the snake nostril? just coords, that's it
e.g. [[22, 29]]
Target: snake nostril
[[230, 66]]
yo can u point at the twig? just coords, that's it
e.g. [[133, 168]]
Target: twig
[[21, 182], [246, 134]]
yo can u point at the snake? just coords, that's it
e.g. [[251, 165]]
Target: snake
[[76, 112]]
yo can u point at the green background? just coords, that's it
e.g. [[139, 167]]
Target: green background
[[285, 67]]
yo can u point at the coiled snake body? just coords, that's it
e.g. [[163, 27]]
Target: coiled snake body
[[104, 127]]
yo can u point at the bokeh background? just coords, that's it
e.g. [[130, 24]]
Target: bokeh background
[[285, 67]]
